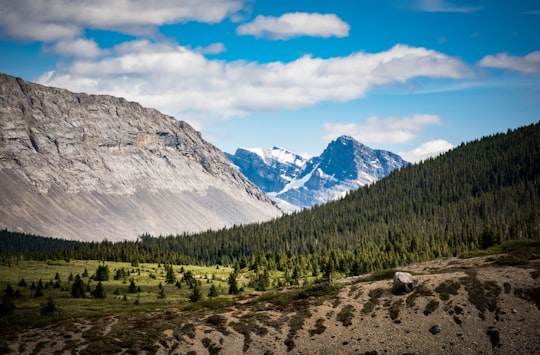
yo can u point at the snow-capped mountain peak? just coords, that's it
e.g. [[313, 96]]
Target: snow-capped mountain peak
[[344, 165], [278, 154]]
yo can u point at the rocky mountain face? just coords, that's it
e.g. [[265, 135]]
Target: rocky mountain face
[[90, 167], [295, 182]]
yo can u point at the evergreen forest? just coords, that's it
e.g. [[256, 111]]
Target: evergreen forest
[[478, 195]]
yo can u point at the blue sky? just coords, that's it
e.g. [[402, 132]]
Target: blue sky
[[412, 76]]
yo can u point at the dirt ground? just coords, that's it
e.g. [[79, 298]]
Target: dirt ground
[[461, 306]]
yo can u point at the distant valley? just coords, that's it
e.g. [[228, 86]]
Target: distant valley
[[295, 182]]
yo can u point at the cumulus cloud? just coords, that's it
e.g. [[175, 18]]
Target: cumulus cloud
[[443, 6], [527, 65], [184, 83], [80, 47], [47, 21], [294, 25], [382, 130], [427, 150]]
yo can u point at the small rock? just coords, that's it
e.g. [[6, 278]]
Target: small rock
[[514, 310], [435, 330]]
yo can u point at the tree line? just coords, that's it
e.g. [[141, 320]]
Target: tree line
[[479, 194]]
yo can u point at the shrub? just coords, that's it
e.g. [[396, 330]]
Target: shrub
[[447, 288], [431, 307], [48, 307]]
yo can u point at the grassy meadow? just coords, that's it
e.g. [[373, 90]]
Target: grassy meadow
[[153, 292]]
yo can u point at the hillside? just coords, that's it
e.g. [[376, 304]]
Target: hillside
[[90, 167], [461, 306], [483, 196], [480, 194]]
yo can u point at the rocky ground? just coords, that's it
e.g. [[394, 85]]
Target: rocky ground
[[483, 305]]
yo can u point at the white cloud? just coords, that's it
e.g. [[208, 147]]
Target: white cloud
[[214, 48], [294, 25], [527, 64], [184, 83], [443, 6], [80, 47], [382, 130], [427, 150], [46, 20]]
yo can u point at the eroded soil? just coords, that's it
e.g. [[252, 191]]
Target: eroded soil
[[462, 306]]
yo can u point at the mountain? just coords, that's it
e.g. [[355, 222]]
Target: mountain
[[89, 167], [479, 195], [295, 182]]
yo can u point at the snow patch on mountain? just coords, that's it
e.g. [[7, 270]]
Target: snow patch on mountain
[[295, 182]]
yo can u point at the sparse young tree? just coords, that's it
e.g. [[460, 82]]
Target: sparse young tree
[[78, 288], [102, 273], [9, 291], [233, 284], [39, 290], [99, 292], [213, 292], [196, 293], [48, 307], [132, 288], [170, 277], [7, 306]]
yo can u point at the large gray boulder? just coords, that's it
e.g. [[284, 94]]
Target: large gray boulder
[[404, 283]]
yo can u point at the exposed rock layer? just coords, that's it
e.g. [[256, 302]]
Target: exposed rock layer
[[89, 167]]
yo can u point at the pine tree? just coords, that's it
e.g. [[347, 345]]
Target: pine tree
[[48, 307], [78, 288], [102, 273], [329, 269], [132, 288], [9, 291], [213, 292], [99, 292], [196, 293], [39, 290], [233, 284], [170, 277], [7, 306]]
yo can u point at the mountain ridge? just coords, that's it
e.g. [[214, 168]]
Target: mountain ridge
[[74, 165], [299, 182]]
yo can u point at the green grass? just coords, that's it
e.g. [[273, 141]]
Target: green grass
[[525, 248], [147, 277]]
